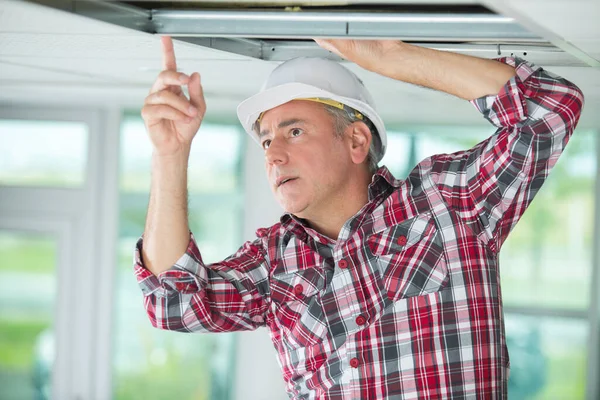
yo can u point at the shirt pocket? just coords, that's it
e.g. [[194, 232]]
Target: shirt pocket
[[410, 258], [296, 286]]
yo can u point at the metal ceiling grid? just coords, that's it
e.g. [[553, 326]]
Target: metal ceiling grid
[[270, 31]]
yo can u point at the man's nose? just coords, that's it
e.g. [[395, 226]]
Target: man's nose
[[276, 153]]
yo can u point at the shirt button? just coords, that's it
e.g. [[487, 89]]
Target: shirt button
[[360, 320], [180, 286], [343, 264], [298, 289], [354, 362], [402, 240]]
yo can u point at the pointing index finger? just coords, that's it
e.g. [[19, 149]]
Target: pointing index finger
[[168, 54]]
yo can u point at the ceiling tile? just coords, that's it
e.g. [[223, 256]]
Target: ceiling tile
[[23, 73], [21, 16], [101, 47]]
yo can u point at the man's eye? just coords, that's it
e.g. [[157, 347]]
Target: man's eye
[[296, 132], [266, 144]]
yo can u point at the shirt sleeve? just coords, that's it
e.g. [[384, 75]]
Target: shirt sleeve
[[491, 185], [227, 296]]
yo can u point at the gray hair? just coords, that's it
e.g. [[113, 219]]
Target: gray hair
[[341, 120]]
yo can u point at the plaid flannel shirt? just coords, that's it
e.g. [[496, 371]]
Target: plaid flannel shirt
[[406, 303]]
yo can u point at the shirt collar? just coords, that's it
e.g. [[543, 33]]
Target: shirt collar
[[382, 181]]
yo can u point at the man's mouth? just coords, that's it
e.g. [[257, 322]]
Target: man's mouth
[[283, 181]]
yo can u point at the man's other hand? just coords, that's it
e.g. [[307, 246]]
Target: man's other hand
[[365, 53]]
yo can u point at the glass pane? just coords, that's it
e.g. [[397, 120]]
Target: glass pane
[[215, 222], [407, 148], [546, 260], [548, 357], [150, 363], [215, 152], [43, 153], [27, 293]]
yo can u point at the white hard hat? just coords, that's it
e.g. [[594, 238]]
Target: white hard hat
[[311, 78]]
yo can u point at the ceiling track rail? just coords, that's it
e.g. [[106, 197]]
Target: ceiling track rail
[[306, 25], [278, 35], [282, 50]]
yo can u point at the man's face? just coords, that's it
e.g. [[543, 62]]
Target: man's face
[[307, 165]]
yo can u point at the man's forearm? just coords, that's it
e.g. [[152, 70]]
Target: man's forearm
[[166, 235], [457, 74]]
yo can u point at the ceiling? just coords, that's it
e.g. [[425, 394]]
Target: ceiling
[[50, 56]]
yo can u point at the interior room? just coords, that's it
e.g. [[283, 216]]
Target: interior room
[[75, 175]]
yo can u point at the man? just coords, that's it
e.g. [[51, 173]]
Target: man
[[371, 287]]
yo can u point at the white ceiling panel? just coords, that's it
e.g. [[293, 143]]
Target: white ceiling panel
[[590, 46], [49, 56], [101, 47], [16, 72], [240, 77], [572, 22], [20, 16], [572, 19]]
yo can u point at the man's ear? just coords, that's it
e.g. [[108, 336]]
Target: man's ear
[[360, 141]]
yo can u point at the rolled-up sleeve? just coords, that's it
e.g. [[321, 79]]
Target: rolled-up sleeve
[[491, 185], [230, 295]]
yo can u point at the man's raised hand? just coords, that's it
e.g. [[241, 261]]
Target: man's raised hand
[[171, 119], [366, 53]]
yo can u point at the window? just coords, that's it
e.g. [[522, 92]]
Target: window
[[548, 357], [27, 294], [149, 363], [43, 153], [545, 264], [556, 231]]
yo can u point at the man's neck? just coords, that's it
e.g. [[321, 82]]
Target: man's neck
[[330, 219]]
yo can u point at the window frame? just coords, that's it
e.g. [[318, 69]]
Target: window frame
[[86, 217]]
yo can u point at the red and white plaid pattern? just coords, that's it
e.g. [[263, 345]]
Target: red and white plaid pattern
[[406, 304]]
